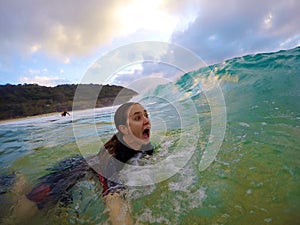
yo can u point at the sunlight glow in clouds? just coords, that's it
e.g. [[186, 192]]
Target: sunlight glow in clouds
[[144, 14]]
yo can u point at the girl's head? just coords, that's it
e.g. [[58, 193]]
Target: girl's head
[[132, 122]]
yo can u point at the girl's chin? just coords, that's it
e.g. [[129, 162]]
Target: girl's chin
[[145, 141]]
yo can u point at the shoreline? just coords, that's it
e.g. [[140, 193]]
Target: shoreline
[[29, 117], [4, 121]]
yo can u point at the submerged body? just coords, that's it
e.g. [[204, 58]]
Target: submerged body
[[55, 186], [130, 143]]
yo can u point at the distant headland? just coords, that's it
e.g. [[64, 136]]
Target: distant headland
[[24, 100]]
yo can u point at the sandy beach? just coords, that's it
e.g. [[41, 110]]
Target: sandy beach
[[53, 114], [29, 117]]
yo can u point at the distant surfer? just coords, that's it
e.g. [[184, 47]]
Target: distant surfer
[[64, 113]]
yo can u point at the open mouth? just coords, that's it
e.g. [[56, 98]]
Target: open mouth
[[146, 133]]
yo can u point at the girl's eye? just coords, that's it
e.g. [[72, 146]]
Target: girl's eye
[[137, 118]]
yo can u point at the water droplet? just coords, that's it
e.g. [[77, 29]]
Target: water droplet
[[249, 191], [268, 220]]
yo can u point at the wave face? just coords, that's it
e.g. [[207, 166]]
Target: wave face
[[253, 178], [254, 79], [255, 175]]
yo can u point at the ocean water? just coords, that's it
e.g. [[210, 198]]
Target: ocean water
[[252, 178]]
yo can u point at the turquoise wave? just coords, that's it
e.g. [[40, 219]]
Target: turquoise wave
[[252, 79], [255, 177]]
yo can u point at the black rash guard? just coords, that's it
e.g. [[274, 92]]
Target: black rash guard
[[109, 176]]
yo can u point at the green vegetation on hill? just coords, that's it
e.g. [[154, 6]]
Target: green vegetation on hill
[[31, 99]]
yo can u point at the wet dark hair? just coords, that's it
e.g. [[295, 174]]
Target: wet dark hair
[[121, 114]]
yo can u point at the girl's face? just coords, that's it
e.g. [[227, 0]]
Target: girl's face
[[138, 125]]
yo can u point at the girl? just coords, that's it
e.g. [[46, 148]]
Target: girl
[[129, 144]]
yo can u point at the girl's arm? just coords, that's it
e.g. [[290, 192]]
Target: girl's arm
[[119, 209]]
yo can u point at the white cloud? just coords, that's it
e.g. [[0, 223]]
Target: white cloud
[[42, 80], [56, 27], [142, 74], [35, 48], [268, 21], [67, 60], [292, 41], [34, 71], [77, 28]]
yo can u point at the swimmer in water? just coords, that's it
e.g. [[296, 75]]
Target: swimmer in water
[[132, 141], [64, 113]]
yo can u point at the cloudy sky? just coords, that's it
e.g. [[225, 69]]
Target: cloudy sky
[[53, 42]]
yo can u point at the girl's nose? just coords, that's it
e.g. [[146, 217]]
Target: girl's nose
[[146, 120]]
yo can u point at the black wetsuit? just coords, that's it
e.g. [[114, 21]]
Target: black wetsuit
[[109, 172]]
